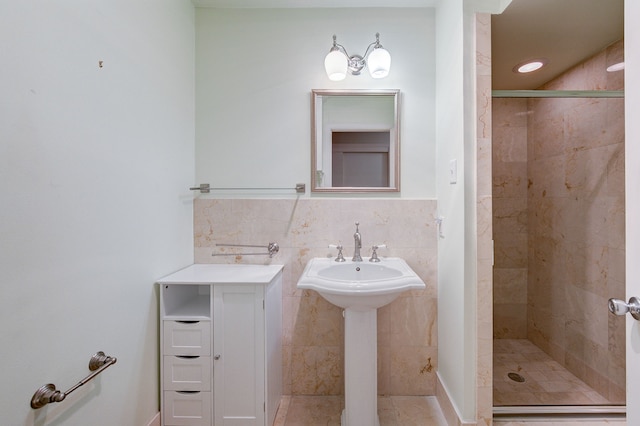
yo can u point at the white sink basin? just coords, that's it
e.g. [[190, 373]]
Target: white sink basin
[[359, 285]]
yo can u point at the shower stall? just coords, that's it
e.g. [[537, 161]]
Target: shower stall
[[558, 221]]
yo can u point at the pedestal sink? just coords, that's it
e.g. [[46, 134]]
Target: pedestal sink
[[360, 288]]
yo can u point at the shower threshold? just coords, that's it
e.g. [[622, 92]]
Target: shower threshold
[[564, 412]]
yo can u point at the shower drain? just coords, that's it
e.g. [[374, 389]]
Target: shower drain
[[516, 377]]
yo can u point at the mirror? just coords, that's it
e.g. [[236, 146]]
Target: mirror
[[355, 142]]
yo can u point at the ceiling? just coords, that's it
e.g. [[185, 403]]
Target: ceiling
[[565, 32]]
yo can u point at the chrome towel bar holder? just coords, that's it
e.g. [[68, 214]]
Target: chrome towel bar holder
[[272, 250], [48, 393]]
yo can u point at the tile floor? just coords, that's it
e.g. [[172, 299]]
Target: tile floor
[[392, 410], [546, 381]]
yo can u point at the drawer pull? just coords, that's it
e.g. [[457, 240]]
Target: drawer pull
[[188, 392], [217, 357], [187, 356], [187, 322]]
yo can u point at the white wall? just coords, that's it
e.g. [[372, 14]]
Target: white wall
[[457, 252], [95, 165], [450, 135], [255, 71]]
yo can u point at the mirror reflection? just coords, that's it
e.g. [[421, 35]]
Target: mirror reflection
[[355, 141]]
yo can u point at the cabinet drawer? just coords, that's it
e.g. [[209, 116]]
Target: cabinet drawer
[[187, 338], [187, 408], [187, 373]]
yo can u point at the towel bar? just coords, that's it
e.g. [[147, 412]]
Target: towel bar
[[272, 249], [48, 393]]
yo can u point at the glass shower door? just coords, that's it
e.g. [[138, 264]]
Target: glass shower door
[[558, 199]]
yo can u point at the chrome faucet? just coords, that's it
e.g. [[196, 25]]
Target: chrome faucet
[[357, 238]]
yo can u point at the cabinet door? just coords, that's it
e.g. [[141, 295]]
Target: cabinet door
[[238, 347]]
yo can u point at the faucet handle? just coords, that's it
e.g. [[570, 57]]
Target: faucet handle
[[374, 254], [340, 256]]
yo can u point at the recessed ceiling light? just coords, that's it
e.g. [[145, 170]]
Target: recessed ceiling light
[[616, 67], [529, 66]]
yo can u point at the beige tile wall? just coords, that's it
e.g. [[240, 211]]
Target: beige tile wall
[[510, 218], [576, 230], [313, 328], [484, 396]]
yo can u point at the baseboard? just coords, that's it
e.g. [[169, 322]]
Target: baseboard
[[448, 409], [155, 421]]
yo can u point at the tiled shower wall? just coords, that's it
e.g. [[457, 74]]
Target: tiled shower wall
[[485, 256], [576, 231], [510, 230], [313, 344], [573, 175]]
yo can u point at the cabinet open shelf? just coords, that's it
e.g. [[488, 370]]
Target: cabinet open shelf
[[186, 301]]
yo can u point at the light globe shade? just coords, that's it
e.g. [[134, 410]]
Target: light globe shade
[[379, 62], [335, 64]]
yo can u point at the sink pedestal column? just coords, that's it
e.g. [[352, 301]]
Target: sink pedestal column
[[360, 368]]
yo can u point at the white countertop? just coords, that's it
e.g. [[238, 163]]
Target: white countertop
[[223, 274]]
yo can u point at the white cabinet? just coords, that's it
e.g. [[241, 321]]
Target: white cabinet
[[221, 345]]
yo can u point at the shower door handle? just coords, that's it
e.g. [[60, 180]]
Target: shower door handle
[[620, 307]]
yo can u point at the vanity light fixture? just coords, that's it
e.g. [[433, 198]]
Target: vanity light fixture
[[529, 66], [338, 61]]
